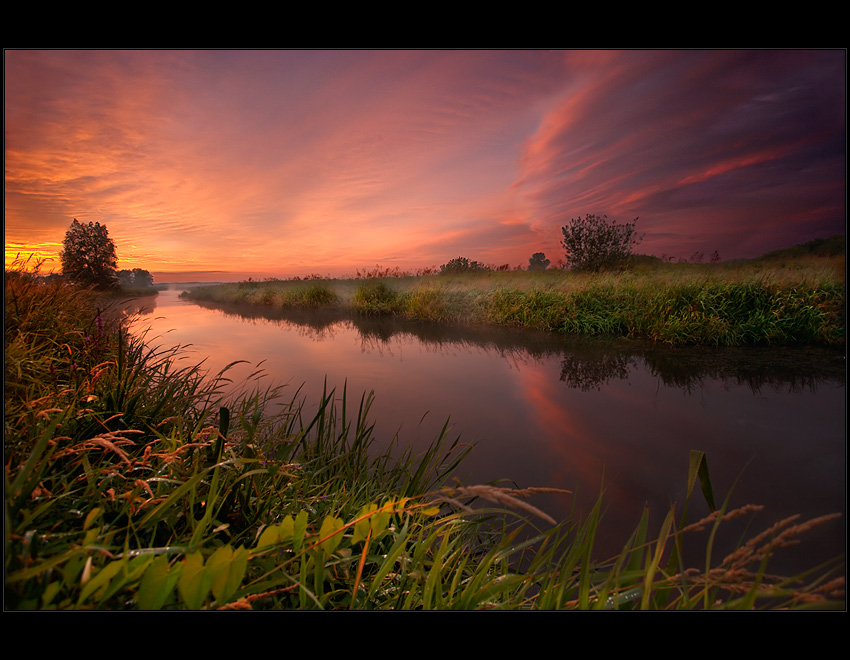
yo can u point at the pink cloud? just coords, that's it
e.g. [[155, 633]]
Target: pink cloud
[[287, 160]]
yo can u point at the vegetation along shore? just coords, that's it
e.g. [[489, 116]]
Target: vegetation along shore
[[794, 296], [134, 483]]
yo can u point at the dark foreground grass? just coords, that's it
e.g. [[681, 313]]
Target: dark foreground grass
[[795, 301], [133, 482]]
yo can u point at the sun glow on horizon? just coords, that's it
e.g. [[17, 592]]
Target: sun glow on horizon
[[291, 162]]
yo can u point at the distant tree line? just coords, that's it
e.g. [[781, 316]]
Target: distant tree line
[[591, 244], [138, 278]]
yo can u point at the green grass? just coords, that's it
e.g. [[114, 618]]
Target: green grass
[[797, 300], [134, 483]]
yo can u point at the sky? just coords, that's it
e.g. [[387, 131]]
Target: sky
[[225, 164]]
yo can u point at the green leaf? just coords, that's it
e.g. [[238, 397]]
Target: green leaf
[[286, 529], [157, 584], [299, 529], [100, 581], [269, 538], [226, 568], [194, 583], [381, 520], [328, 535], [363, 524]]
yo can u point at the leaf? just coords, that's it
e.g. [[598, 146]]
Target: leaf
[[194, 583], [157, 584], [269, 538], [286, 529], [226, 568], [363, 524], [381, 519], [299, 529], [698, 468], [328, 536], [93, 515], [101, 580]]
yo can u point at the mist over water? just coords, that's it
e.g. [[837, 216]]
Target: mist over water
[[549, 411]]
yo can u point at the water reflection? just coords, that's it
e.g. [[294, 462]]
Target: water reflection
[[585, 363], [545, 410]]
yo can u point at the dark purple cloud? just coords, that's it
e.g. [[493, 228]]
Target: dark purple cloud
[[737, 151]]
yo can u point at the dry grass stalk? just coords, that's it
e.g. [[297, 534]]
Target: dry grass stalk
[[505, 496], [711, 518], [777, 536]]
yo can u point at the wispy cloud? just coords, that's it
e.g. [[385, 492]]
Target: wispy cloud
[[287, 161]]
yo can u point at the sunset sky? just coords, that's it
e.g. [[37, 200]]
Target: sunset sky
[[282, 163]]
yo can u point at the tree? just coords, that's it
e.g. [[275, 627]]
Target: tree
[[125, 279], [142, 278], [462, 265], [138, 278], [538, 261], [88, 256], [593, 243]]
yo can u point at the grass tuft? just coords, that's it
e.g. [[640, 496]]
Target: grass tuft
[[762, 302], [135, 483]]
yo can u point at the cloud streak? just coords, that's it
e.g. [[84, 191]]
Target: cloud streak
[[287, 162]]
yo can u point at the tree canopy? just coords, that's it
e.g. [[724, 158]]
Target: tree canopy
[[538, 261], [593, 243], [88, 255], [138, 278]]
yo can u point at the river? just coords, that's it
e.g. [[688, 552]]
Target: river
[[549, 411]]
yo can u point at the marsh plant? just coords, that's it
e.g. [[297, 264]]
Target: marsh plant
[[764, 302], [135, 482]]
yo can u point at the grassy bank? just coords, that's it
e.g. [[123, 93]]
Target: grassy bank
[[798, 300], [133, 483]]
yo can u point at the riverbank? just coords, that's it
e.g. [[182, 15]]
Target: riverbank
[[795, 301], [135, 483]]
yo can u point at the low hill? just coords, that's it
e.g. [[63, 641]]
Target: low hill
[[819, 247]]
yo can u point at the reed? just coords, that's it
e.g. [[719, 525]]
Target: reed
[[791, 301], [134, 481]]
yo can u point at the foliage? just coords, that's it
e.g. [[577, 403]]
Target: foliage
[[736, 304], [88, 255], [375, 298], [538, 261], [594, 244], [138, 278], [131, 483], [462, 265]]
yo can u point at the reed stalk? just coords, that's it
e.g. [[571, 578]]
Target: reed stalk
[[135, 483]]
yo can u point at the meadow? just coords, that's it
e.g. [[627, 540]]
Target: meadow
[[133, 482], [776, 300]]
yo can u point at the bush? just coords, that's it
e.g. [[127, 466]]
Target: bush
[[594, 244], [462, 265], [538, 261]]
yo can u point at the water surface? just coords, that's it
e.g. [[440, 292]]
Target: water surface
[[544, 410]]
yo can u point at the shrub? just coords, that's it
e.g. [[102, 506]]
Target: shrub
[[595, 244], [462, 265], [538, 261]]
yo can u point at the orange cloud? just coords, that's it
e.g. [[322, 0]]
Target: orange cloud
[[288, 162]]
